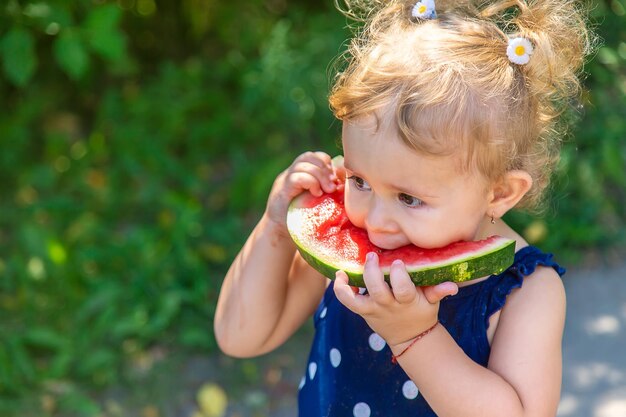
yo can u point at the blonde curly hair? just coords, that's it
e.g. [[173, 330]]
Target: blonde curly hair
[[452, 86]]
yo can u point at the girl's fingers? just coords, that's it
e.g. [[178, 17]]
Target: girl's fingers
[[323, 175], [320, 159], [310, 171], [355, 302], [436, 293], [324, 157], [374, 279], [403, 288], [302, 181], [340, 174], [339, 170]]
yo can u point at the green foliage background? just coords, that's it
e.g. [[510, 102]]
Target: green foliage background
[[139, 140]]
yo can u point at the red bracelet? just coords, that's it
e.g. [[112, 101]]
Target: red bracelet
[[394, 358]]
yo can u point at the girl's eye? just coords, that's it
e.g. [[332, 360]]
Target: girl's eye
[[409, 200], [360, 183]]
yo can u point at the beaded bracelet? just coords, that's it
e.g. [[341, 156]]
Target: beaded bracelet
[[394, 358]]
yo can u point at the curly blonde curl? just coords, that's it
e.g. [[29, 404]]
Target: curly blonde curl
[[453, 87]]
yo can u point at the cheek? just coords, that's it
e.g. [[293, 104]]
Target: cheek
[[452, 226], [355, 208]]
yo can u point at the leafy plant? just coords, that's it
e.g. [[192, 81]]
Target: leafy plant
[[79, 34], [139, 142]]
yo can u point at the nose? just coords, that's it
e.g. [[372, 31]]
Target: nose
[[379, 218]]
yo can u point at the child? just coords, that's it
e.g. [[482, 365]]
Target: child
[[449, 117]]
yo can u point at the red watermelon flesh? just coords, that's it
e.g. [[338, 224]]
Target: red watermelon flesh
[[329, 241]]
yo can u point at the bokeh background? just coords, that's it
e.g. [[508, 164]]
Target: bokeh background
[[139, 139]]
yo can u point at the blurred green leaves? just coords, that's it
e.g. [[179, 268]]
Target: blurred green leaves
[[139, 142], [138, 151], [103, 33], [71, 54], [80, 32], [19, 60]]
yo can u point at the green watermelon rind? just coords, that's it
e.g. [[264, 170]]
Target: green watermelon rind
[[479, 264]]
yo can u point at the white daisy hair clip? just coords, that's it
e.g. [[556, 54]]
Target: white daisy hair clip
[[519, 50], [424, 9]]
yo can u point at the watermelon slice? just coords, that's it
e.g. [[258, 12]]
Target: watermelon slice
[[328, 242]]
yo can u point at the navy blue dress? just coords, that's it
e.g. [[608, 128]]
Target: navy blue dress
[[349, 372]]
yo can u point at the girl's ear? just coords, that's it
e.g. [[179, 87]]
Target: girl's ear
[[507, 192]]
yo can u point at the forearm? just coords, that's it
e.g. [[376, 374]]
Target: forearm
[[453, 384], [254, 291]]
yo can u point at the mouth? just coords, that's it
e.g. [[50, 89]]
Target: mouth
[[385, 242]]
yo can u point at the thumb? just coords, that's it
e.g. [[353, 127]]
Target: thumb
[[338, 167], [436, 293]]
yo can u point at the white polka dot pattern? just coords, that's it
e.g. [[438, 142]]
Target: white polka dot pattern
[[361, 410], [335, 357], [409, 390], [356, 388], [376, 342]]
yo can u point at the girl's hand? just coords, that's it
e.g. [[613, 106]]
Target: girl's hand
[[398, 313], [312, 171]]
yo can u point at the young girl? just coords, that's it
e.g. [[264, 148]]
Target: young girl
[[450, 115]]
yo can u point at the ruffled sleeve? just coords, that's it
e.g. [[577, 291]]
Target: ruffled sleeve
[[526, 261]]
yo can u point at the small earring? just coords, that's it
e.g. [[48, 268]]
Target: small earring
[[492, 219]]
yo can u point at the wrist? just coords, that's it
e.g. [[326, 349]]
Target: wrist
[[398, 346], [274, 228], [399, 349]]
